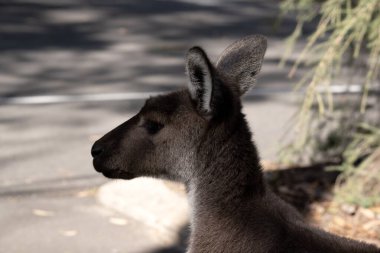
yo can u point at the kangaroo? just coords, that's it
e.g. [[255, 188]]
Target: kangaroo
[[199, 136]]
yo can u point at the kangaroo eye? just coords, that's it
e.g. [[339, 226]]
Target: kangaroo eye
[[152, 126]]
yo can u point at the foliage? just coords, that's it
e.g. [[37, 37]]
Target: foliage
[[347, 32], [359, 181]]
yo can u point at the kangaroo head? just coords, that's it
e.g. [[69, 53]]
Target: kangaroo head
[[171, 132]]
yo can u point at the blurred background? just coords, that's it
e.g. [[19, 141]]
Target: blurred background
[[70, 71]]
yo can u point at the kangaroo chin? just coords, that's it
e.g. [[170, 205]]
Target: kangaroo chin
[[199, 135]]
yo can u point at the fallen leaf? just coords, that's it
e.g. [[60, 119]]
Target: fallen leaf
[[339, 221], [348, 209], [68, 233], [118, 221], [367, 213], [85, 193], [43, 213], [372, 224], [376, 209]]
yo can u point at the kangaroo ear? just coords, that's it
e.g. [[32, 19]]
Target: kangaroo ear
[[241, 61], [200, 79]]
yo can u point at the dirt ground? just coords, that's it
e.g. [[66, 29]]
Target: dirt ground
[[310, 190]]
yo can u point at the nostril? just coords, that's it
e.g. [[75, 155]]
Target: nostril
[[96, 150]]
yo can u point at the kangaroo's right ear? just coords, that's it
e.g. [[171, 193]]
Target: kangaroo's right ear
[[241, 61], [200, 80]]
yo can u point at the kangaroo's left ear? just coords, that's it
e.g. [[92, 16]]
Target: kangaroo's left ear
[[241, 61], [200, 80]]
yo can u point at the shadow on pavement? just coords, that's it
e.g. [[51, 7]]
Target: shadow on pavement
[[77, 46]]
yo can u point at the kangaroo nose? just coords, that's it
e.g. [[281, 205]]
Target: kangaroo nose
[[96, 150]]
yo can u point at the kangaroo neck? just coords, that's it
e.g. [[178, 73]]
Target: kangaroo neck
[[229, 174]]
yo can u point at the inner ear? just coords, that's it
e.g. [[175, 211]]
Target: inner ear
[[200, 79]]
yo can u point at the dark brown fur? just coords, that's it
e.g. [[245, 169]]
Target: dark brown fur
[[199, 136]]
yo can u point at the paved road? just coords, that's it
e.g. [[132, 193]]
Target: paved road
[[47, 184]]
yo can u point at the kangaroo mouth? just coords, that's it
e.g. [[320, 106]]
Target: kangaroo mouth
[[111, 173], [118, 174], [98, 165]]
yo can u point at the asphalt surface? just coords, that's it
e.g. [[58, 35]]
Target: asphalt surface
[[47, 184]]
